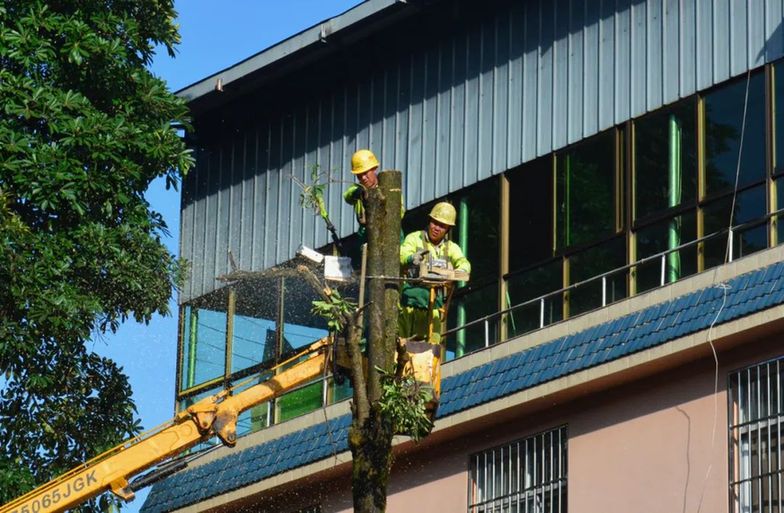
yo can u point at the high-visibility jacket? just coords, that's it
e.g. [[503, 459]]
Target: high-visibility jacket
[[417, 296]]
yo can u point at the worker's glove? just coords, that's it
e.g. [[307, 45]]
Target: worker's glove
[[418, 257], [359, 193]]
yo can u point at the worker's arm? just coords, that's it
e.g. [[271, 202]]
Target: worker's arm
[[458, 259], [411, 244], [353, 193]]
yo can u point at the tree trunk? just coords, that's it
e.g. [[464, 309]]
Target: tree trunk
[[370, 436]]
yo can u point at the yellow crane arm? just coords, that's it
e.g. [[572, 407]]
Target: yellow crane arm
[[212, 416]]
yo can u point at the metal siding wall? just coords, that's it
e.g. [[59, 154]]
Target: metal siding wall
[[516, 84]]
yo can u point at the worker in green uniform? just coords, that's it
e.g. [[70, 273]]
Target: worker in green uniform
[[415, 315], [364, 165]]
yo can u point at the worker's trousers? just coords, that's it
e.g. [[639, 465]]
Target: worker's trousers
[[414, 322]]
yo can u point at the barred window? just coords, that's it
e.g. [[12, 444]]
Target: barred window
[[756, 408], [527, 475]]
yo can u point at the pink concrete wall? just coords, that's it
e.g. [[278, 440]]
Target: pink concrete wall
[[649, 447], [645, 446]]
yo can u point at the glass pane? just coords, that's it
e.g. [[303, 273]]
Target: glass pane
[[301, 327], [529, 285], [780, 218], [659, 237], [778, 116], [256, 418], [744, 242], [593, 262], [252, 420], [723, 124], [204, 340], [300, 401], [585, 189], [339, 391], [465, 308], [476, 231], [749, 205], [255, 329], [531, 214], [666, 158]]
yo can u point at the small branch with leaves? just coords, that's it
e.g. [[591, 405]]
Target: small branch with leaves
[[311, 197], [343, 317], [404, 401]]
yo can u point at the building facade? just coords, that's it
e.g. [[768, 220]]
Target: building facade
[[615, 169]]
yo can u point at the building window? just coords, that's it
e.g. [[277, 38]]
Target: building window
[[525, 475], [237, 336], [586, 188], [725, 123], [664, 163], [204, 340], [756, 420]]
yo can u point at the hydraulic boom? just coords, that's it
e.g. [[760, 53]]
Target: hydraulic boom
[[212, 416]]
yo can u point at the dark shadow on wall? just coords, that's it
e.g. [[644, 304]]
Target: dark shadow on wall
[[774, 45]]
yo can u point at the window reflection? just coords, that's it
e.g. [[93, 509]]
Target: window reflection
[[665, 159], [656, 238], [778, 117], [531, 214], [593, 262], [204, 340], [749, 205], [477, 303], [530, 284], [585, 188], [301, 327], [255, 326], [723, 127]]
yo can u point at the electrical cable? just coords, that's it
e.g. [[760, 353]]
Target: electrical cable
[[724, 287]]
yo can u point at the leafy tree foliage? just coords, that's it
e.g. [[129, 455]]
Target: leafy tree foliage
[[84, 129]]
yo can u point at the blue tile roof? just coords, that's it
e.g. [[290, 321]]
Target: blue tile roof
[[652, 326]]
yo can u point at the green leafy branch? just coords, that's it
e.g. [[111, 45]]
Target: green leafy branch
[[404, 401], [312, 196], [336, 309]]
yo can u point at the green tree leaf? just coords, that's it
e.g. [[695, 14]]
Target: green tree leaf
[[85, 129]]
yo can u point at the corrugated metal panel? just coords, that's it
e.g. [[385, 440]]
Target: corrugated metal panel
[[511, 84]]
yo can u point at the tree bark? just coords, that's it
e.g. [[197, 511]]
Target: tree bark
[[370, 436]]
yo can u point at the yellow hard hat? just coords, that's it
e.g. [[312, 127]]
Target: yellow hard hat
[[444, 213], [363, 161]]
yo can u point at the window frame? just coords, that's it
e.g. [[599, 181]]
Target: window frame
[[741, 477]]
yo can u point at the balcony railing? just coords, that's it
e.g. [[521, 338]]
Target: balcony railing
[[491, 324]]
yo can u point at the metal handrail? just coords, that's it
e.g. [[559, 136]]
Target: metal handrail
[[603, 277]]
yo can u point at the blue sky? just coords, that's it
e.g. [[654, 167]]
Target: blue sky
[[215, 35]]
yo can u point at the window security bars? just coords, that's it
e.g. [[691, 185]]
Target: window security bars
[[525, 476], [756, 415]]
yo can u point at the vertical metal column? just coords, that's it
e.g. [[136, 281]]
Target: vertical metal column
[[229, 335], [279, 324], [192, 347], [674, 174], [460, 336]]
